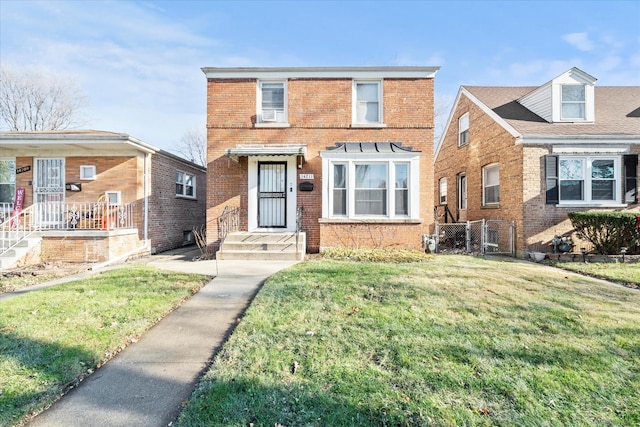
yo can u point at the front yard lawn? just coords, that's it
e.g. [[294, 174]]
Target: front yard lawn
[[51, 338], [453, 341]]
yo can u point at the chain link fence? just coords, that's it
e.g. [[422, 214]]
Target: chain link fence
[[474, 237]]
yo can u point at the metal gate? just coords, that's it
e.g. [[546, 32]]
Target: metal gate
[[48, 189], [272, 194], [492, 236]]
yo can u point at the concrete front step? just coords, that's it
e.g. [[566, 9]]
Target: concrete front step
[[9, 258], [262, 246]]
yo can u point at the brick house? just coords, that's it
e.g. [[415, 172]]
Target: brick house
[[351, 146], [95, 196], [533, 154]]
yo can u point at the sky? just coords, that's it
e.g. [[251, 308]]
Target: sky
[[139, 62]]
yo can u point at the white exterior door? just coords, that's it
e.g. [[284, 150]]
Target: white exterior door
[[48, 190]]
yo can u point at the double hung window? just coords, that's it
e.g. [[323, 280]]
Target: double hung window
[[442, 186], [272, 102], [367, 105], [185, 185], [573, 102], [491, 185], [463, 130]]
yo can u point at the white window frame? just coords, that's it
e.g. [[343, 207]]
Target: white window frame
[[485, 172], [184, 186], [87, 172], [583, 102], [355, 102], [114, 198], [442, 191], [463, 130], [587, 180], [5, 207], [350, 161], [280, 118], [462, 191]]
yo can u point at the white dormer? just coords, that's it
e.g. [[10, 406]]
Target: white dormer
[[569, 98]]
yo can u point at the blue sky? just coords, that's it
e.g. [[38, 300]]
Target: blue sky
[[139, 61]]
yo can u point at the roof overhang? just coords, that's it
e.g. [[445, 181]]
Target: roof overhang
[[67, 143], [247, 150], [319, 72]]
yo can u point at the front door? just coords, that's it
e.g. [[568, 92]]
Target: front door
[[48, 190], [272, 194]]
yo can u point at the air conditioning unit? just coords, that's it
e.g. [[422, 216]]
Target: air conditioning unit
[[268, 115]]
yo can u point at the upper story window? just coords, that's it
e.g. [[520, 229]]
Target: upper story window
[[491, 185], [573, 102], [463, 130], [272, 102], [367, 102], [442, 185], [87, 172], [185, 185]]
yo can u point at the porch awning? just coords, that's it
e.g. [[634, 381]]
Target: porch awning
[[241, 150]]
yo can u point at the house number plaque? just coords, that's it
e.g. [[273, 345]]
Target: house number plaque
[[306, 176], [23, 169]]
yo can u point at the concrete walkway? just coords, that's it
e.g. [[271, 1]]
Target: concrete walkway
[[148, 382]]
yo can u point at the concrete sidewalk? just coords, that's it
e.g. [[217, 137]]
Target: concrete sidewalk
[[148, 382]]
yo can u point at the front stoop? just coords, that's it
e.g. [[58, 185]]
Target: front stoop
[[245, 245]]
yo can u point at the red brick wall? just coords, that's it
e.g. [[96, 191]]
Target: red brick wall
[[170, 216], [522, 181], [488, 143], [319, 114]]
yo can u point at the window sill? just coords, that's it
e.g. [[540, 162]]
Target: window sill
[[493, 206], [370, 220], [271, 125], [368, 125], [591, 205], [178, 196]]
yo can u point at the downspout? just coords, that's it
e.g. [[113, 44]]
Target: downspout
[[147, 195]]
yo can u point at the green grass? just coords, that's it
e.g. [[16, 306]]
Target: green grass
[[51, 338], [627, 274], [454, 341]]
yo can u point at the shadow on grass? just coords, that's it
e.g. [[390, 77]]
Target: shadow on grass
[[36, 373]]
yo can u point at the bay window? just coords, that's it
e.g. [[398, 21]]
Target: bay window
[[371, 188]]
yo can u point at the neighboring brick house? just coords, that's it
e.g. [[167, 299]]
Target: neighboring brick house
[[152, 199], [533, 154], [352, 146]]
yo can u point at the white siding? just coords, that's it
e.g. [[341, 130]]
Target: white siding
[[540, 102]]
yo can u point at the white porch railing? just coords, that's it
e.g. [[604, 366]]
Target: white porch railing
[[64, 216]]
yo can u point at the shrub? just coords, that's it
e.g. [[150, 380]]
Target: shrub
[[608, 231], [375, 255]]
